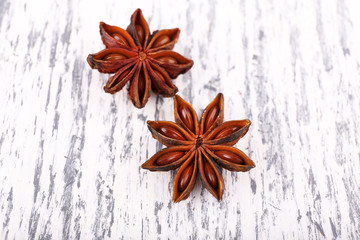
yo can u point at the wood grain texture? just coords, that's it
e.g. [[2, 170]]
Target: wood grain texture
[[70, 154]]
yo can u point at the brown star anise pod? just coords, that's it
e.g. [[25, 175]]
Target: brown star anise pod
[[199, 147], [144, 59]]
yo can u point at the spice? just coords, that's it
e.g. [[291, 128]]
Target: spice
[[199, 148], [143, 59]]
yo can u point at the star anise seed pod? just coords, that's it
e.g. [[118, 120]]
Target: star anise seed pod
[[199, 147], [143, 59]]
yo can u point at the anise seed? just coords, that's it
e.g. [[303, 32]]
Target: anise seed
[[141, 86], [171, 132], [186, 116], [226, 132], [229, 156], [162, 40], [113, 57], [169, 158], [185, 177], [160, 75], [120, 38], [210, 175], [140, 33], [120, 77], [167, 59], [211, 117]]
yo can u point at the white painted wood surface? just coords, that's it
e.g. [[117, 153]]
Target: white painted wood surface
[[70, 154]]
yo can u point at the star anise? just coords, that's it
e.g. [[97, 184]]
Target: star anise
[[199, 147], [144, 59]]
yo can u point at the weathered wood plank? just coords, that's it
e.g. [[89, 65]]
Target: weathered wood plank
[[70, 154]]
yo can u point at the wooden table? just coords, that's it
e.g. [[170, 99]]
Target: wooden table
[[70, 154]]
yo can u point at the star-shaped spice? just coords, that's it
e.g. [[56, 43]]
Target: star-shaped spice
[[144, 59], [199, 147]]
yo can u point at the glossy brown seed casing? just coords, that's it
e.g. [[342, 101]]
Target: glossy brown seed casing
[[211, 117], [186, 116], [210, 175], [199, 147], [150, 63], [120, 38], [229, 156], [140, 33], [227, 131], [171, 132], [167, 59], [185, 177], [162, 40], [113, 57], [169, 158]]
